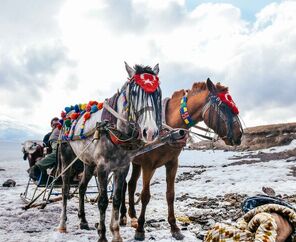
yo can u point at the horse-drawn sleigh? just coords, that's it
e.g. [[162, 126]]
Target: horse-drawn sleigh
[[47, 189], [134, 133]]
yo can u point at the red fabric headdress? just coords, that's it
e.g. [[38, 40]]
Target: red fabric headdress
[[227, 99], [146, 81]]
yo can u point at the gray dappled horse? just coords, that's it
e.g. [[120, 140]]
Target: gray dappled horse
[[138, 103]]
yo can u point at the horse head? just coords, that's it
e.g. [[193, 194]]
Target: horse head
[[213, 105], [140, 101], [221, 114]]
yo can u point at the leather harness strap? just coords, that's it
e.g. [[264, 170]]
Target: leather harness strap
[[113, 112]]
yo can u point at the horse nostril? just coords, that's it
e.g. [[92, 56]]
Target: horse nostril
[[145, 133], [155, 135]]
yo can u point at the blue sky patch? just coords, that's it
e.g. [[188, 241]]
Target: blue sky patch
[[248, 8]]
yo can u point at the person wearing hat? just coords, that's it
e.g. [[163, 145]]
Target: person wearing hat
[[50, 160], [45, 140], [267, 219]]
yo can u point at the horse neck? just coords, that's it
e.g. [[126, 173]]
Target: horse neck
[[195, 104]]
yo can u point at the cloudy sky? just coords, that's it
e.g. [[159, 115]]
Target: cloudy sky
[[56, 53]]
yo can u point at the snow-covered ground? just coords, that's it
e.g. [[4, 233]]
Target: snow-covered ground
[[201, 173]]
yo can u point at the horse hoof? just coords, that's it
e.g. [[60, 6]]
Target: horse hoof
[[117, 240], [102, 240], [140, 236], [178, 235], [84, 226], [123, 221], [62, 229], [134, 223]]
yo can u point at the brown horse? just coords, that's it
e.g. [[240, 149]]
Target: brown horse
[[203, 103]]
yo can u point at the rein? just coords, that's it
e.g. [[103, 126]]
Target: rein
[[113, 112], [115, 135]]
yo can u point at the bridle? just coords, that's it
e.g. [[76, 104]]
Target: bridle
[[128, 94], [133, 113], [224, 113], [213, 103]]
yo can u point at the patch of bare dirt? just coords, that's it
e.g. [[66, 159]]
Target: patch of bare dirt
[[190, 175], [292, 171]]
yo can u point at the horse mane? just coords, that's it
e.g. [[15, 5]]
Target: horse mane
[[140, 69], [200, 86], [221, 88], [178, 94], [197, 87]]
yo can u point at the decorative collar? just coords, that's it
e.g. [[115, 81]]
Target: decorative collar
[[185, 114], [148, 82]]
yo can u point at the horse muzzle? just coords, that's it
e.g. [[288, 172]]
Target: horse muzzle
[[149, 135], [233, 141]]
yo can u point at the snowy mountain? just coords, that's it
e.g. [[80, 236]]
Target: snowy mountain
[[12, 130]]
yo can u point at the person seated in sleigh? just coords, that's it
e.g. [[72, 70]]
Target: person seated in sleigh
[[49, 161]]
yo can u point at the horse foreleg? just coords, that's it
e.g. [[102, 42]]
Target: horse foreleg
[[102, 203], [65, 195], [87, 175], [171, 170], [132, 185], [119, 179], [145, 198], [123, 219]]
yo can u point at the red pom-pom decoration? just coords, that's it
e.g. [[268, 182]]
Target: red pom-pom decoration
[[74, 116], [88, 108], [91, 103], [63, 114], [86, 116], [100, 105]]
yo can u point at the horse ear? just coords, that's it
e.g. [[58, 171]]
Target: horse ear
[[131, 72], [210, 85], [156, 69]]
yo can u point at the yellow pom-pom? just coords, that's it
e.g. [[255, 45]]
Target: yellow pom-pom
[[83, 106]]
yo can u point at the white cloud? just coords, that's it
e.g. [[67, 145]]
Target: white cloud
[[256, 60]]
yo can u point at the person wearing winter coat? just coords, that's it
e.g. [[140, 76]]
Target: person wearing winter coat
[[49, 160]]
